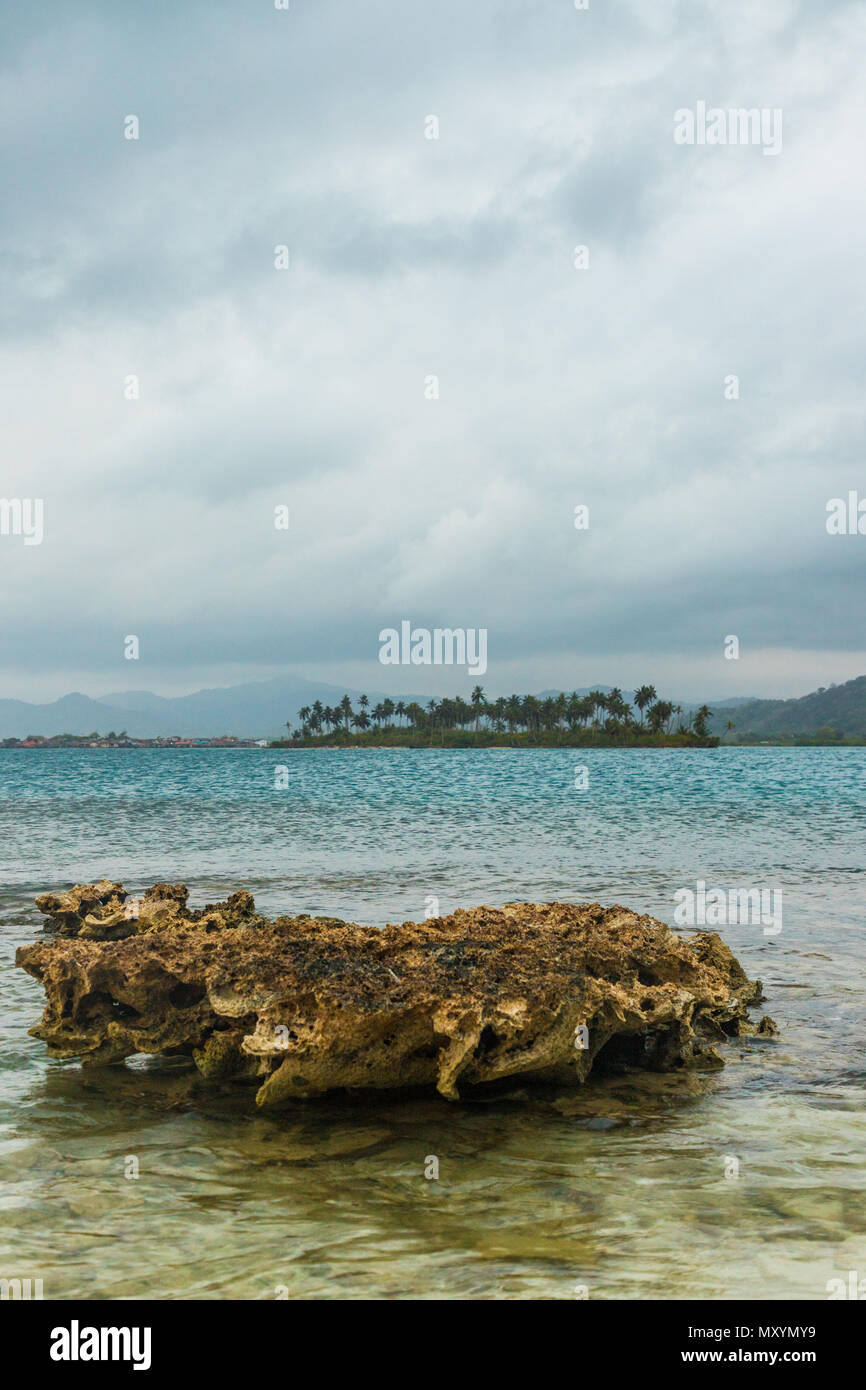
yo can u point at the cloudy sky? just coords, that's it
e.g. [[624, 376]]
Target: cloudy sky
[[413, 257]]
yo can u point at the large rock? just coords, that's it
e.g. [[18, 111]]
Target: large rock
[[546, 993]]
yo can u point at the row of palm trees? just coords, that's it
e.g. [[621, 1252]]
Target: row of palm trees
[[608, 712]]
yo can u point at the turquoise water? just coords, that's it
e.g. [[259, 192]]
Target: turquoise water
[[621, 1188]]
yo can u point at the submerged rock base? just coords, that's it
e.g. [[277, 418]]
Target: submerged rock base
[[542, 992]]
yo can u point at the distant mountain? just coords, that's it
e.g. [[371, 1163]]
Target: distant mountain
[[255, 710], [840, 707], [142, 701], [260, 709], [730, 702], [72, 714]]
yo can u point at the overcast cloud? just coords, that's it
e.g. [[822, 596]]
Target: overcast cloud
[[412, 257]]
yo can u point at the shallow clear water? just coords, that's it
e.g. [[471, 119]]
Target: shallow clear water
[[621, 1188]]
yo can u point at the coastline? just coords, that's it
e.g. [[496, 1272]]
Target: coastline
[[381, 745], [489, 830]]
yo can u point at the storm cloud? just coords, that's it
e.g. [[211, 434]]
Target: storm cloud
[[412, 258]]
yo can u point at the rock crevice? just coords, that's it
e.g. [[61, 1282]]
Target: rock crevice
[[545, 992]]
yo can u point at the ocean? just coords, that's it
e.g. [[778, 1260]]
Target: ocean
[[743, 1183]]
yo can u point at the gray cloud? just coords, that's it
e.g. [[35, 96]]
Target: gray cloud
[[411, 258]]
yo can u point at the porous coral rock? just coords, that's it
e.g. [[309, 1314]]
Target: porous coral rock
[[540, 992]]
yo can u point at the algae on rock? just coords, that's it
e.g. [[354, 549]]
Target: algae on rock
[[541, 992]]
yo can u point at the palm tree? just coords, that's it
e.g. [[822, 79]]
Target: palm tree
[[477, 704], [660, 714], [531, 712], [346, 711], [599, 702], [513, 710], [549, 715], [584, 710], [617, 707], [701, 718], [730, 726], [542, 719], [643, 696]]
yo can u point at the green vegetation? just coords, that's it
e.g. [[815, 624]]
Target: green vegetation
[[513, 721], [830, 714], [818, 738]]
